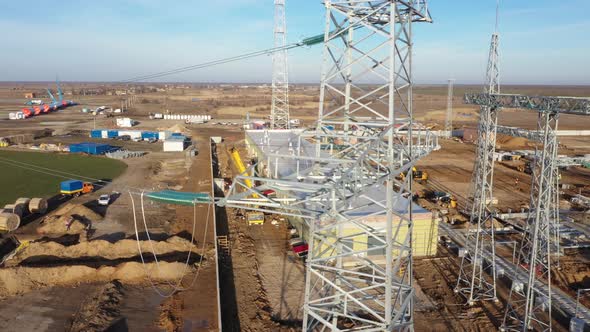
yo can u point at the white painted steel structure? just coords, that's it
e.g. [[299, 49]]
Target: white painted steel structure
[[472, 282], [364, 139], [530, 302], [279, 117]]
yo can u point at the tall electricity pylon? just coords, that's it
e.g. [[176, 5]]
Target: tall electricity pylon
[[347, 287], [449, 118], [359, 265], [472, 282], [529, 302], [529, 306], [279, 117]]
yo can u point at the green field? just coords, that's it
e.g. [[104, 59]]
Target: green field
[[42, 179]]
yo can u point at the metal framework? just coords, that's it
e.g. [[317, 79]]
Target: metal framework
[[449, 118], [364, 139], [279, 117], [529, 304], [472, 282], [538, 136]]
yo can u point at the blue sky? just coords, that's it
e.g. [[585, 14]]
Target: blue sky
[[542, 41]]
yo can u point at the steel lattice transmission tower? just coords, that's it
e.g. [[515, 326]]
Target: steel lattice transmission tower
[[529, 306], [529, 303], [449, 118], [279, 117], [472, 282], [366, 101], [364, 139]]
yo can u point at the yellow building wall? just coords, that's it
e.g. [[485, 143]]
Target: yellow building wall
[[424, 236]]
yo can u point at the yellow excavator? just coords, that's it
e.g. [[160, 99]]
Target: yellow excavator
[[418, 175], [235, 156]]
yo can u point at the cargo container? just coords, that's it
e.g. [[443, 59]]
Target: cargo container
[[149, 134], [133, 134], [75, 187], [125, 122], [91, 148], [163, 135], [96, 133], [112, 133], [175, 144]]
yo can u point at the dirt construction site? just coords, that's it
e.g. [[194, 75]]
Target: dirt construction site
[[144, 264]]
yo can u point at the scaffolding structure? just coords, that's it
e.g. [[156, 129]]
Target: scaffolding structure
[[530, 302], [472, 282], [279, 117], [364, 139]]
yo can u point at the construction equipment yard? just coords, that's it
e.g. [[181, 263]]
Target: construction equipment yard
[[366, 201]]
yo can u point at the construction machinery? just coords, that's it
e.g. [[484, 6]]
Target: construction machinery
[[255, 218], [418, 175], [237, 160]]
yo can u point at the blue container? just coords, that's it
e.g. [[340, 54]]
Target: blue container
[[71, 185], [112, 133], [149, 134], [96, 133], [90, 148], [177, 135]]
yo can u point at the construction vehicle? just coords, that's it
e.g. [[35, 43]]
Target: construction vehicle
[[418, 175], [235, 156], [75, 188], [255, 218], [299, 247], [518, 165]]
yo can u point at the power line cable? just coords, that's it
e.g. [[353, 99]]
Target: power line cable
[[304, 42]]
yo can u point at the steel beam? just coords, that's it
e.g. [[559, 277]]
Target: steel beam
[[567, 105]]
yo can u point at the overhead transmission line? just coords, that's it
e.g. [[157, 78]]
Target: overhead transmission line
[[304, 42]]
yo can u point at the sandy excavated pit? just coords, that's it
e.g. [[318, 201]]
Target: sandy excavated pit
[[101, 249], [47, 264], [19, 280]]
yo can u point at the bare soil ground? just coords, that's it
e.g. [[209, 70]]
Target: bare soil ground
[[261, 281]]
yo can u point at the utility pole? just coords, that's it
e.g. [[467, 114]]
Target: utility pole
[[279, 114], [472, 282], [449, 118]]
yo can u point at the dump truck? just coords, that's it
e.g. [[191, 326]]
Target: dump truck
[[75, 187], [255, 218]]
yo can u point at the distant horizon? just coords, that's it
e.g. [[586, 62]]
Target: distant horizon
[[269, 83]]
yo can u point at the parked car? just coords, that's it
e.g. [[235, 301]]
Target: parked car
[[104, 200], [137, 139], [125, 137]]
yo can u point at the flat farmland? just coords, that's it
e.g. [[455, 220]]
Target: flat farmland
[[38, 174]]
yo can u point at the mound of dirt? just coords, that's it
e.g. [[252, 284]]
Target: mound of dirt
[[101, 248], [177, 128], [509, 142], [19, 280], [78, 217], [100, 310]]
